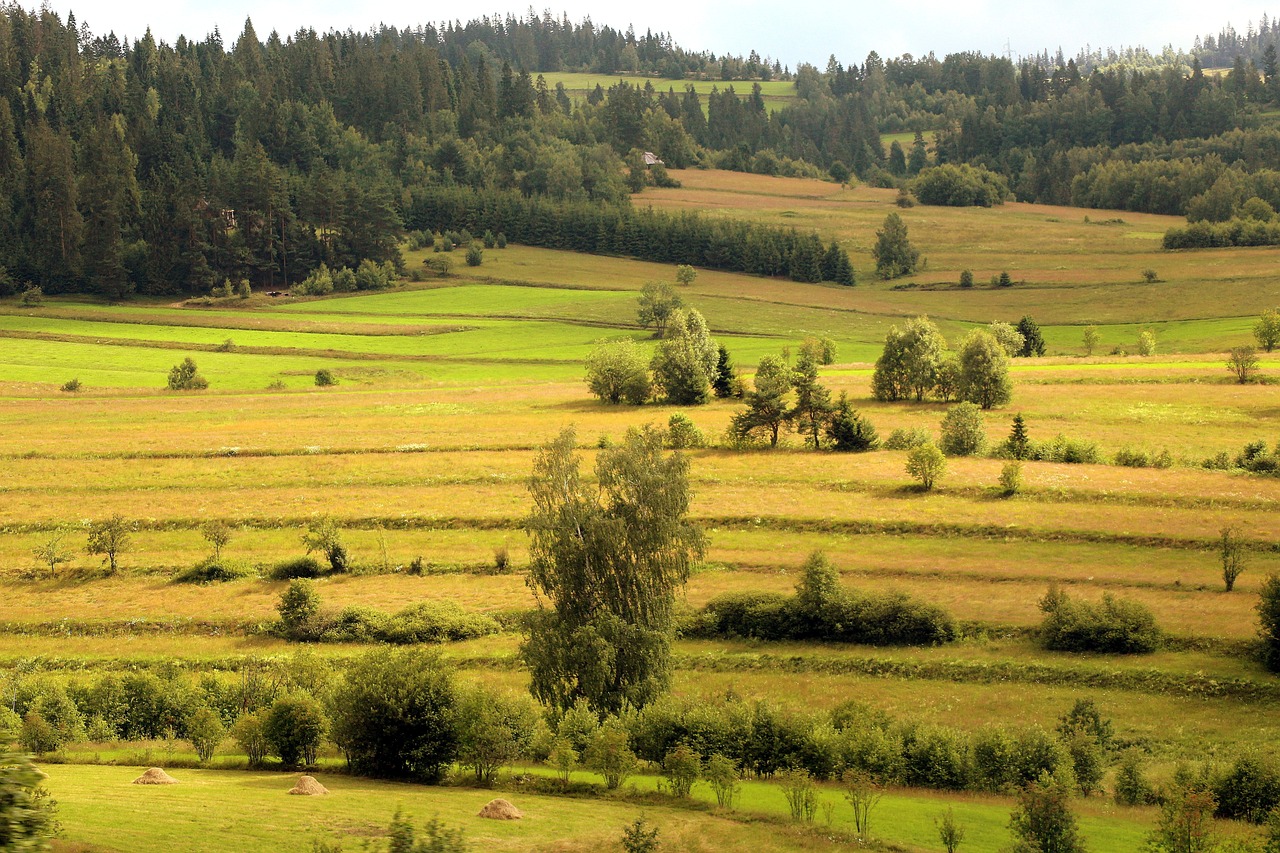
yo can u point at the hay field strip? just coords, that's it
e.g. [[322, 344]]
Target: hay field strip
[[776, 93]]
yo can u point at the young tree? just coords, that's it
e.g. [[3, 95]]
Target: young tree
[[685, 360], [294, 727], [109, 539], [1267, 330], [908, 366], [205, 731], [493, 731], [894, 254], [617, 372], [1018, 443], [1185, 824], [984, 371], [657, 300], [863, 795], [608, 561], [767, 410], [813, 401], [1032, 340], [926, 464], [963, 433], [50, 551], [217, 533], [683, 768], [609, 753], [685, 274], [1146, 342], [186, 377], [1231, 551], [1043, 820], [1009, 338], [324, 536], [1243, 362], [725, 384], [1091, 339], [722, 775], [950, 831], [848, 431]]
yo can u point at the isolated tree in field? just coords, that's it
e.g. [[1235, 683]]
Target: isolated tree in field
[[685, 274], [617, 372], [863, 794], [109, 539], [184, 376], [848, 431], [217, 533], [1243, 362], [657, 300], [926, 464], [1032, 340], [908, 366], [767, 410], [1146, 342], [1043, 821], [1091, 339], [984, 371], [963, 433], [1269, 622], [1267, 330], [685, 361], [1018, 443], [894, 254], [1231, 552], [50, 552], [606, 562], [950, 831], [812, 409]]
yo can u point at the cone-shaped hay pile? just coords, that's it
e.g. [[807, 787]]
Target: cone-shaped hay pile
[[500, 810], [308, 787], [155, 776]]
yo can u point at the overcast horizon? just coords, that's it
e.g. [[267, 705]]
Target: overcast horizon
[[848, 31]]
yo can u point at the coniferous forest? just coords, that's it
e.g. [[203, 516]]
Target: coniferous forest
[[154, 168]]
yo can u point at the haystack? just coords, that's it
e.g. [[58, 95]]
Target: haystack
[[500, 810], [155, 776], [308, 787]]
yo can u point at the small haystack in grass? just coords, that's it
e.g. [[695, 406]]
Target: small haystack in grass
[[155, 776], [500, 810], [308, 787]]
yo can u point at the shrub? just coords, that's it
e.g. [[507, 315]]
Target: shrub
[[618, 372], [185, 376], [213, 570], [849, 432], [298, 567], [1250, 790], [959, 186], [609, 753], [802, 797], [936, 757], [966, 278], [962, 431], [682, 433], [926, 464], [502, 240], [392, 715], [71, 386], [1043, 819], [1113, 626], [324, 536], [489, 240], [1011, 478], [26, 812], [1146, 342], [721, 774], [907, 439], [32, 296], [205, 731], [493, 731], [293, 727], [324, 378], [250, 737], [1131, 785], [683, 768], [1243, 364], [639, 837], [299, 609], [1063, 449], [475, 255]]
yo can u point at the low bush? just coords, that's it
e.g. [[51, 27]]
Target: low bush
[[1063, 449], [213, 570], [1250, 790], [907, 439], [298, 567], [1114, 625]]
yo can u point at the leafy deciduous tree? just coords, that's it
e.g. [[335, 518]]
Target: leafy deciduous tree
[[617, 372]]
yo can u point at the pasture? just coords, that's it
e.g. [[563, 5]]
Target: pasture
[[447, 386]]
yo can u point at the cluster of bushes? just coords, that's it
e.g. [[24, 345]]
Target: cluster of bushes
[[1254, 457], [647, 234], [822, 610], [1219, 235], [367, 276], [959, 186], [1115, 626], [916, 365], [301, 619]]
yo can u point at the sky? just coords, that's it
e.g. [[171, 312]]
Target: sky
[[804, 32]]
